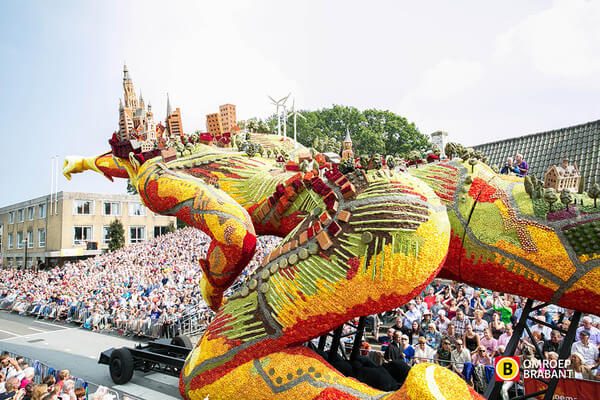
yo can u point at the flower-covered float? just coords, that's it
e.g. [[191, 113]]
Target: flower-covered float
[[355, 242]]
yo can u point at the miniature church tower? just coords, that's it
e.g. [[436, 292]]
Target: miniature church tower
[[347, 146]]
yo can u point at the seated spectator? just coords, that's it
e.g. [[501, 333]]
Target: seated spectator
[[409, 351], [432, 336], [552, 345], [386, 340], [80, 394], [482, 356], [443, 354], [442, 322], [459, 357], [430, 298], [510, 168], [577, 368], [28, 375], [471, 339], [425, 320], [479, 324], [395, 350], [415, 333], [10, 386], [586, 349], [489, 343], [505, 337], [423, 353], [460, 322], [587, 326], [521, 164], [450, 335]]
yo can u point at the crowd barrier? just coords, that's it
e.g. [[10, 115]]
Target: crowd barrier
[[191, 323], [42, 370]]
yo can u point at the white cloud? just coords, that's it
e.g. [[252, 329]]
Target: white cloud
[[559, 42]]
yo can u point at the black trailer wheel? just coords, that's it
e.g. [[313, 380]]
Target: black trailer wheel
[[121, 366], [183, 341]]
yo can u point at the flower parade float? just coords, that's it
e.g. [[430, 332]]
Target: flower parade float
[[355, 243]]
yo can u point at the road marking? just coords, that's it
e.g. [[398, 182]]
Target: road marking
[[163, 378], [9, 333], [143, 392], [35, 334], [36, 329]]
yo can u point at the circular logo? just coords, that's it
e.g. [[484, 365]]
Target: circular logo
[[507, 368]]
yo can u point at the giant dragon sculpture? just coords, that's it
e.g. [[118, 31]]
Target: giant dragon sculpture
[[353, 244]]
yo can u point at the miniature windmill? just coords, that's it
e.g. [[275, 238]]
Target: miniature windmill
[[278, 104], [295, 114]]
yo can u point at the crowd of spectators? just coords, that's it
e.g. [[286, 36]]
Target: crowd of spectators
[[144, 289], [454, 325]]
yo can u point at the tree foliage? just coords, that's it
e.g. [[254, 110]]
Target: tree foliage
[[116, 235], [372, 131]]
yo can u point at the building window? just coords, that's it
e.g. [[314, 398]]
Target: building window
[[30, 213], [11, 243], [105, 238], [137, 209], [136, 234], [160, 230], [42, 211], [41, 237], [21, 215], [11, 217], [81, 235], [30, 241], [111, 208], [20, 240], [83, 207]]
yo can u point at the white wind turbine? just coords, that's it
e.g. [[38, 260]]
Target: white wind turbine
[[278, 104], [295, 114]]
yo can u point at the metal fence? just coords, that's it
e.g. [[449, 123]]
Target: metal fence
[[192, 323], [43, 370]]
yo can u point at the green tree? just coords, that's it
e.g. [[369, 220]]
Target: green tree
[[550, 197], [472, 163], [566, 197], [450, 150], [594, 192], [528, 186], [372, 131], [116, 235]]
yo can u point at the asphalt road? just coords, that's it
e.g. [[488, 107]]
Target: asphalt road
[[66, 346]]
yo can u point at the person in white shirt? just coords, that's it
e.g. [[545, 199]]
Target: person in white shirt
[[423, 353], [543, 330], [459, 356], [586, 349]]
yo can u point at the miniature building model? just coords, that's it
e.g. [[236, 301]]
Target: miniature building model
[[540, 150], [563, 177], [173, 120], [133, 116], [228, 118], [347, 146], [214, 124], [440, 139]]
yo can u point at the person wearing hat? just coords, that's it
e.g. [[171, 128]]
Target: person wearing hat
[[588, 351], [577, 369], [426, 320]]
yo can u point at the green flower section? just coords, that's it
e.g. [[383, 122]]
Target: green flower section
[[523, 200], [584, 238], [489, 226]]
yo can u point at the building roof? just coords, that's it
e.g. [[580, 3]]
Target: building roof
[[579, 143], [347, 138]]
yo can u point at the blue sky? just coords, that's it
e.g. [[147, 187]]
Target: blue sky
[[481, 71]]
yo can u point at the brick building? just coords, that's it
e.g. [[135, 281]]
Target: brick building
[[228, 118]]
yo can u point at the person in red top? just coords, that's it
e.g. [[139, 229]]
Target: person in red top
[[430, 298]]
